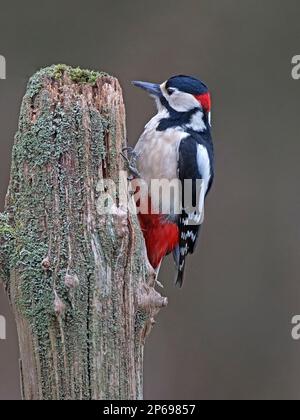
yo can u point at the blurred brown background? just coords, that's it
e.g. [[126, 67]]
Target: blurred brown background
[[227, 335]]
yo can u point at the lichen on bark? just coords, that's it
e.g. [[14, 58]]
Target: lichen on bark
[[79, 282]]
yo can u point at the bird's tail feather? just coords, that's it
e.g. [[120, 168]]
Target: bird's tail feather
[[180, 278], [180, 265]]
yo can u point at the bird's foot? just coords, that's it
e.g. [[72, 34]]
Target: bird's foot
[[131, 162], [156, 277], [159, 284]]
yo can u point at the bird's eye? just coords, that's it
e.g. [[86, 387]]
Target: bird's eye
[[170, 91]]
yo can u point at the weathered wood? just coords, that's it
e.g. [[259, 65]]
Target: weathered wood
[[80, 285]]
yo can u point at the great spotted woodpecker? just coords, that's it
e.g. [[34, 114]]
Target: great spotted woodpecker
[[176, 144]]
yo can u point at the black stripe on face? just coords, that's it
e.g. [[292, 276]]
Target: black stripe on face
[[175, 119]]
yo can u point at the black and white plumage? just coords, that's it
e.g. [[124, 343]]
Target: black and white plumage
[[195, 163], [177, 143]]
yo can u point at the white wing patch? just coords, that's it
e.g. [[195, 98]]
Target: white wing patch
[[204, 169]]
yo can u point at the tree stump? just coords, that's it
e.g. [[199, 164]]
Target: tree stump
[[79, 282]]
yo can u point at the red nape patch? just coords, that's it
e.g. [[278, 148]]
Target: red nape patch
[[161, 238], [205, 101]]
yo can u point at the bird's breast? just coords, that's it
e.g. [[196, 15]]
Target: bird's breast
[[157, 153], [157, 162]]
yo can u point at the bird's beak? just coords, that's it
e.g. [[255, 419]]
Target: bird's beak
[[152, 88]]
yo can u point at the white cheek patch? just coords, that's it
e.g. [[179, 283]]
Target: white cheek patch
[[183, 102], [180, 101]]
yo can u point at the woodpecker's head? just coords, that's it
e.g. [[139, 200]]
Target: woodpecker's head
[[180, 94]]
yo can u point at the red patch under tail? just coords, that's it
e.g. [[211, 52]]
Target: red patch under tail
[[160, 236]]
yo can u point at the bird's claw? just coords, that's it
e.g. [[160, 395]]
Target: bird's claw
[[159, 284], [131, 162], [128, 149]]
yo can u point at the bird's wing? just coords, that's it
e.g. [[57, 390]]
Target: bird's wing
[[192, 171]]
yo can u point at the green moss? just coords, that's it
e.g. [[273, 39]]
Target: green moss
[[113, 142], [6, 231], [99, 127], [7, 237], [77, 75], [59, 70], [141, 317]]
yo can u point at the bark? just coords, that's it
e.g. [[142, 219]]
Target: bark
[[79, 282]]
